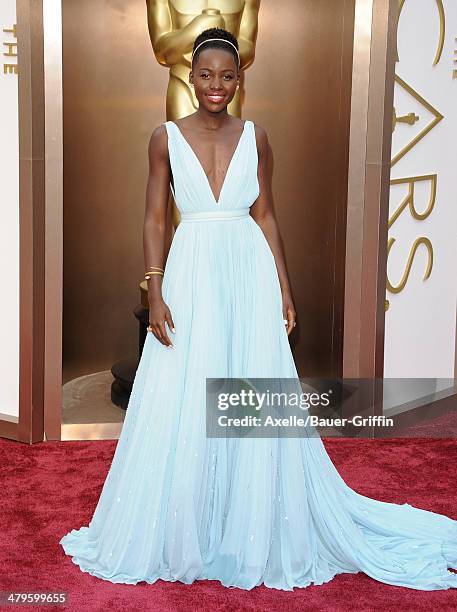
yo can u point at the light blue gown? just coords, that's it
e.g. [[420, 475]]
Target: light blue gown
[[177, 505]]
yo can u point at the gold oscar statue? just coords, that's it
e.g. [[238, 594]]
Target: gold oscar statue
[[173, 27]]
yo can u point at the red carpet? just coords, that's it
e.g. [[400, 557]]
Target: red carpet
[[52, 487]]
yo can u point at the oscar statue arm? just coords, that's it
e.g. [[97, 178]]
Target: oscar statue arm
[[248, 32], [171, 45]]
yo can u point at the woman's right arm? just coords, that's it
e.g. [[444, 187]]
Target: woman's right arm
[[154, 231]]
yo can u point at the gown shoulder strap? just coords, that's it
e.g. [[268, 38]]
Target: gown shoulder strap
[[169, 133], [251, 126]]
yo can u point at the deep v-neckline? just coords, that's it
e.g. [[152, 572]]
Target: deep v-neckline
[[200, 165]]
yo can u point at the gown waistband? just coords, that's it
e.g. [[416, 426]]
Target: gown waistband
[[213, 215]]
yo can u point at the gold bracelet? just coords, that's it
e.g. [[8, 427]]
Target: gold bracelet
[[148, 274], [154, 268]]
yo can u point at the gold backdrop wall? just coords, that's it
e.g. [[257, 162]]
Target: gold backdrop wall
[[298, 89]]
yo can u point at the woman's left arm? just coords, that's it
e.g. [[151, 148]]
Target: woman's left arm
[[264, 215]]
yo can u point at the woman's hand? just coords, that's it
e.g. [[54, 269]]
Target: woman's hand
[[158, 314], [288, 312]]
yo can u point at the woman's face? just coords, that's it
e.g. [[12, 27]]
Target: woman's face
[[215, 78]]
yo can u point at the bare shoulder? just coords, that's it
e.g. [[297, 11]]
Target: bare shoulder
[[158, 143], [261, 138]]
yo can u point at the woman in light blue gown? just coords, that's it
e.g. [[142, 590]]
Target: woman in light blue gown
[[177, 505]]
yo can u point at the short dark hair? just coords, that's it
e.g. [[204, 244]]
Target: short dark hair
[[219, 33]]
